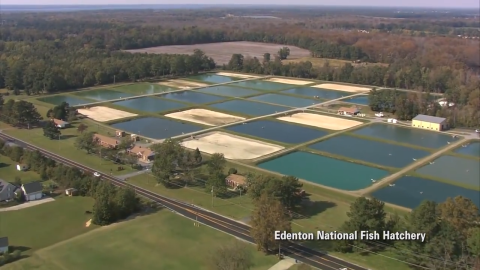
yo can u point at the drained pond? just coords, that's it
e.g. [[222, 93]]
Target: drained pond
[[380, 153], [150, 104], [325, 171], [278, 131], [249, 107], [410, 191], [411, 136], [156, 128]]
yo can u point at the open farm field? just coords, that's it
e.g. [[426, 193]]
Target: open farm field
[[222, 52]]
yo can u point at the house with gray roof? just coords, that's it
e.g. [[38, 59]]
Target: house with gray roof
[[32, 191], [3, 245], [7, 191]]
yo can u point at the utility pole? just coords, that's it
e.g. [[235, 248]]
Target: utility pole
[[113, 79], [279, 253]]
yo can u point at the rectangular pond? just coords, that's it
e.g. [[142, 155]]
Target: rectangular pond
[[228, 91], [249, 107], [321, 93], [213, 78], [156, 128], [144, 88], [262, 85], [57, 100], [278, 131], [380, 153], [362, 100], [103, 94], [455, 169], [325, 171], [469, 149], [410, 191], [150, 104], [192, 97], [411, 136], [286, 100]]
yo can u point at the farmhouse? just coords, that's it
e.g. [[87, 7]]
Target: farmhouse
[[60, 123], [7, 191], [32, 191], [105, 141], [3, 245], [348, 111], [235, 180], [429, 122], [144, 154]]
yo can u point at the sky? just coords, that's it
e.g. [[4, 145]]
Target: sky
[[403, 3]]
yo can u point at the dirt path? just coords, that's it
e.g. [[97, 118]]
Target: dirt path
[[411, 167]]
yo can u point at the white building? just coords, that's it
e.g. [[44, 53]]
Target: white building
[[32, 191]]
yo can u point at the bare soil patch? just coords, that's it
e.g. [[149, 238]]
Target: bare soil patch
[[237, 75], [342, 87], [183, 84], [288, 81], [222, 52], [320, 121], [205, 117], [231, 146], [104, 114]]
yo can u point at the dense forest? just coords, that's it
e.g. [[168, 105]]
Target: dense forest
[[51, 53]]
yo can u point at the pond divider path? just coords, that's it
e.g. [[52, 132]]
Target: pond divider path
[[166, 92], [410, 167]]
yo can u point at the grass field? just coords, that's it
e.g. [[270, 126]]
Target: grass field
[[8, 171], [43, 225], [161, 240]]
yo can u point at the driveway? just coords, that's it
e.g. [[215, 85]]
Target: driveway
[[27, 204]]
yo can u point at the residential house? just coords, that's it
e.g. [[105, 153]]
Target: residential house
[[32, 191], [106, 141], [3, 245], [60, 123], [430, 122], [235, 180], [348, 111], [144, 154], [22, 167], [7, 191]]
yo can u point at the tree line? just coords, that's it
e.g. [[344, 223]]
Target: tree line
[[111, 203], [452, 229]]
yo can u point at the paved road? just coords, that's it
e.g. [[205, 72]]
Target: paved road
[[219, 222]]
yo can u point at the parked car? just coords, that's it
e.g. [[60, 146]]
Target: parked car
[[96, 174], [379, 114]]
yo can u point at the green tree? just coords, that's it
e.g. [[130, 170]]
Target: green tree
[[81, 128], [460, 212], [60, 111], [473, 245], [197, 156], [216, 164], [236, 62], [290, 191], [167, 157], [266, 57], [269, 216], [283, 53], [104, 209], [126, 202], [216, 184], [51, 131], [86, 142], [25, 114], [234, 256]]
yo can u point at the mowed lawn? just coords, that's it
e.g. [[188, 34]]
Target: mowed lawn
[[43, 225], [8, 171], [162, 240]]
